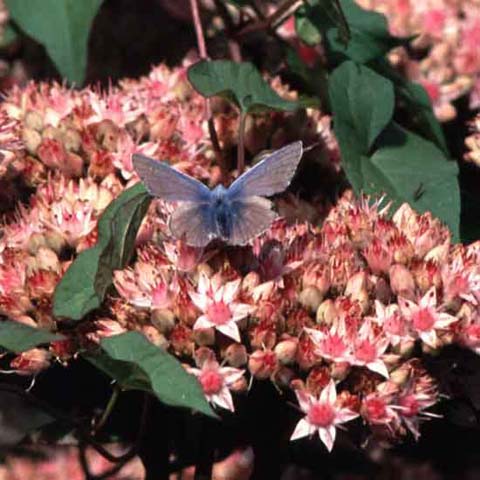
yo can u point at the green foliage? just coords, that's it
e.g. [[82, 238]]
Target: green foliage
[[240, 83], [62, 26], [137, 364], [17, 337], [379, 156], [368, 31], [355, 97], [87, 280], [311, 15]]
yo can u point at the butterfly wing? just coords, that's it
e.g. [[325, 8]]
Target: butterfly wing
[[194, 223], [251, 217], [165, 182], [271, 175]]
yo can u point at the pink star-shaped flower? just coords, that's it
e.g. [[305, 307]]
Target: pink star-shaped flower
[[215, 381], [425, 317], [322, 415], [369, 348], [216, 301]]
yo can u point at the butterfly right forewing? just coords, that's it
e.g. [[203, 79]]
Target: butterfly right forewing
[[165, 182]]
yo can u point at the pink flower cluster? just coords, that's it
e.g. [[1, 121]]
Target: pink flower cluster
[[445, 57], [309, 308], [331, 313], [66, 154]]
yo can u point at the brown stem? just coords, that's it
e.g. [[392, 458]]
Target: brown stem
[[202, 50], [241, 143], [271, 22]]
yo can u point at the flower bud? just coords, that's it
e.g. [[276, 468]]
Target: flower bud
[[236, 355], [402, 282], [155, 336], [31, 139], [326, 313], [72, 141], [202, 355], [240, 386], [162, 319], [262, 364], [34, 242], [357, 289], [33, 120], [55, 241], [318, 379], [47, 259], [310, 297], [286, 350], [31, 362], [250, 281], [382, 291], [339, 370], [283, 376], [204, 337]]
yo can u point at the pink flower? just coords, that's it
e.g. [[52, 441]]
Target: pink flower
[[332, 345], [413, 402], [322, 415], [215, 382], [144, 286], [377, 409], [425, 317], [369, 348], [216, 301], [392, 322]]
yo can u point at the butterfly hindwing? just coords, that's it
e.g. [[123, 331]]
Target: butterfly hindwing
[[165, 182], [251, 216], [271, 175], [194, 223]]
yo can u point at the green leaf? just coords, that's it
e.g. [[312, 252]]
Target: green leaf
[[9, 35], [403, 165], [307, 25], [362, 98], [369, 37], [87, 280], [137, 364], [18, 337], [62, 26], [415, 101], [241, 83], [410, 169]]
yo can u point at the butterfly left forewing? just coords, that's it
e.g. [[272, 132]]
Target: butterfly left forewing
[[251, 217]]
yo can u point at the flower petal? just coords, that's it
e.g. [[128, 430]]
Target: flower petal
[[229, 329], [327, 436], [224, 399], [230, 291], [378, 367], [303, 429], [202, 323], [329, 393]]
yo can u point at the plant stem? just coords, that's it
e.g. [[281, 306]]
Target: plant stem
[[108, 409], [202, 51], [241, 143]]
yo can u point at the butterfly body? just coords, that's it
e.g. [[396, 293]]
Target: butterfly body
[[235, 214]]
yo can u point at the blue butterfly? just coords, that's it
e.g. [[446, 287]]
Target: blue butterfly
[[235, 214]]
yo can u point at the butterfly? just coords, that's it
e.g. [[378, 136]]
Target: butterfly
[[235, 214]]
